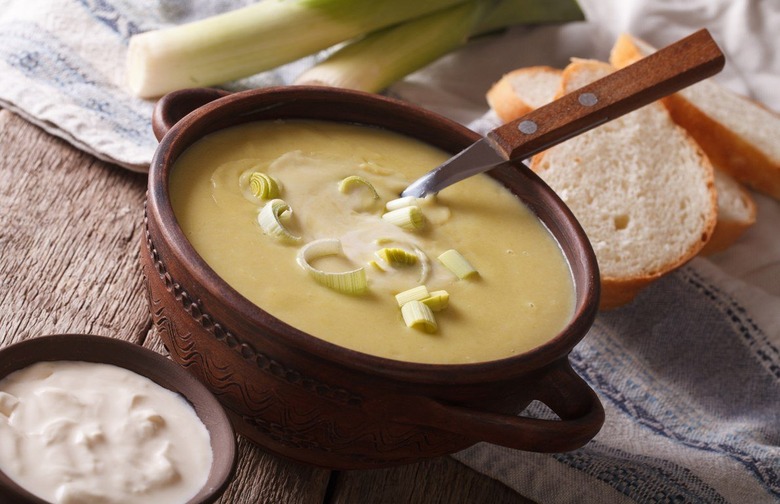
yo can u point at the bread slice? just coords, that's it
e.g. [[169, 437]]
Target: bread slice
[[520, 91], [639, 185], [736, 213], [739, 135]]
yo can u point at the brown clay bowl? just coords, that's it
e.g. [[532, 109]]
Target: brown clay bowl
[[316, 402], [145, 362]]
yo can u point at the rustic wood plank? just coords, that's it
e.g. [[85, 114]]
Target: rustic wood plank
[[68, 240], [442, 479]]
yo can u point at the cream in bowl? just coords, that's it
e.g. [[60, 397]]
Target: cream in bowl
[[78, 431], [336, 190]]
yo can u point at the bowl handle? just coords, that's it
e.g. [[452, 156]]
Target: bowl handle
[[564, 392], [172, 107]]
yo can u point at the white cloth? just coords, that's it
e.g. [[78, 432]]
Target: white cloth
[[689, 373]]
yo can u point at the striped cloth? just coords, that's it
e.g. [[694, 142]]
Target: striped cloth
[[690, 382], [689, 373], [62, 68]]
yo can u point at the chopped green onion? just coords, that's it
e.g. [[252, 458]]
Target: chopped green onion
[[438, 300], [456, 263], [255, 38], [397, 203], [414, 294], [379, 265], [348, 183], [419, 316], [425, 265], [263, 186], [396, 256], [270, 220], [410, 218], [346, 282]]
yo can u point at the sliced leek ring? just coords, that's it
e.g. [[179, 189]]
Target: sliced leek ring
[[409, 217], [397, 256], [456, 263], [389, 257], [263, 186], [438, 300], [270, 220], [348, 183], [347, 282], [379, 265], [425, 265], [397, 203], [418, 315], [414, 294]]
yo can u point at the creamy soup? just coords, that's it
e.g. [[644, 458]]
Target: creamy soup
[[520, 296], [82, 432]]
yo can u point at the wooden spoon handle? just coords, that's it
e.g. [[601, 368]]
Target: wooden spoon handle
[[666, 71]]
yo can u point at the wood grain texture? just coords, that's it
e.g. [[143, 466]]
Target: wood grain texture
[[70, 230], [69, 234], [439, 480]]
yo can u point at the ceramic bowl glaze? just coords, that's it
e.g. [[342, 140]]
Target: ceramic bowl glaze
[[319, 403], [145, 362]]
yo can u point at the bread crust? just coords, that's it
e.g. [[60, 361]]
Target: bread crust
[[728, 229], [502, 98], [615, 290], [721, 230], [725, 234], [618, 291], [727, 150]]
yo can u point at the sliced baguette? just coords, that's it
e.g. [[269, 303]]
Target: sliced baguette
[[520, 91], [639, 185], [738, 135], [736, 213]]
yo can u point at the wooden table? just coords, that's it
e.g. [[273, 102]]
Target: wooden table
[[69, 263]]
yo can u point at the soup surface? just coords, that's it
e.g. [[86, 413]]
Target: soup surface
[[521, 296]]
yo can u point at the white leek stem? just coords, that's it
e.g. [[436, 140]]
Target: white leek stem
[[383, 57], [255, 38], [380, 58]]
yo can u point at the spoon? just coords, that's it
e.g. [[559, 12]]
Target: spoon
[[664, 72]]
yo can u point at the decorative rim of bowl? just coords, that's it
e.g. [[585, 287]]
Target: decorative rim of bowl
[[240, 104], [147, 363]]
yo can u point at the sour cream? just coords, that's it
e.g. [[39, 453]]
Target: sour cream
[[78, 432]]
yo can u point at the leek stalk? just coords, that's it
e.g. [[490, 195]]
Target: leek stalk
[[380, 58], [255, 38], [377, 60], [507, 13]]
